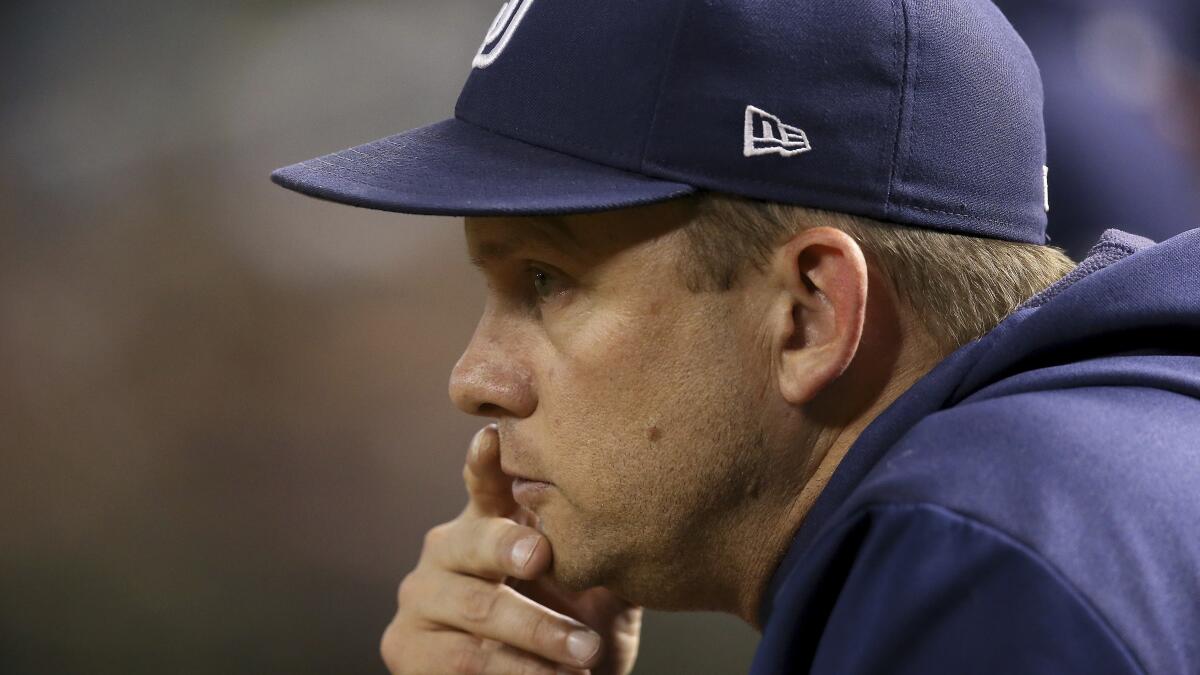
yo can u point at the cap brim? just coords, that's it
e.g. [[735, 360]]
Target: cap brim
[[454, 168]]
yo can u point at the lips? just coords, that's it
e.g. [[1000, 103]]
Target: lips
[[529, 493], [528, 488]]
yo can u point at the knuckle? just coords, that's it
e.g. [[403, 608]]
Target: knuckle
[[478, 604], [467, 658], [436, 536], [491, 541], [531, 667], [476, 531], [543, 631], [407, 592], [389, 648]]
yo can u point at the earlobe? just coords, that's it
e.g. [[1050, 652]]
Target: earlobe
[[822, 274]]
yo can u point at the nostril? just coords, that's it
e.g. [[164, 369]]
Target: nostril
[[489, 410], [493, 387]]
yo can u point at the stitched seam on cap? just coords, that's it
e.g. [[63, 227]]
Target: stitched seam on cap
[[959, 214], [662, 83], [903, 46], [694, 171]]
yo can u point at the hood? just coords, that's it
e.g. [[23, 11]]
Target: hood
[[1128, 315], [1128, 297]]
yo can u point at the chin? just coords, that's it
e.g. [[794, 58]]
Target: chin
[[649, 584], [571, 582], [576, 571], [580, 561], [573, 572], [585, 558]]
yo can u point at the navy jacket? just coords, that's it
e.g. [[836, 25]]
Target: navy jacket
[[1032, 505]]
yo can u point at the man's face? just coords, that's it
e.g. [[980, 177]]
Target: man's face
[[646, 406]]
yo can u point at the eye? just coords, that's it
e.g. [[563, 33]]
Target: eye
[[545, 284]]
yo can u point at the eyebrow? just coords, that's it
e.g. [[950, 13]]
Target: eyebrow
[[545, 230]]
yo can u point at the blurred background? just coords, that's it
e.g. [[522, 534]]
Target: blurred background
[[224, 410], [1122, 81]]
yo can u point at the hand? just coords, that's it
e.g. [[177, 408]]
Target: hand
[[480, 600]]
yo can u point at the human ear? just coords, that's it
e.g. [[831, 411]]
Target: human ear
[[822, 275]]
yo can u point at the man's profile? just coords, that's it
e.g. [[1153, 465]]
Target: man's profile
[[772, 329]]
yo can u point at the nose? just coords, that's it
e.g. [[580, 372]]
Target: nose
[[491, 379]]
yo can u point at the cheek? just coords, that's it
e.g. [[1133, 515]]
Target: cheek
[[639, 408], [605, 376], [606, 418], [635, 430]]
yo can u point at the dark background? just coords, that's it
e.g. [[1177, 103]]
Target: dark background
[[223, 406]]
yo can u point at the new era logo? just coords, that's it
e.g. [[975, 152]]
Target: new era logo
[[766, 134]]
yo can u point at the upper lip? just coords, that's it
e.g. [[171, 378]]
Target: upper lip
[[521, 475], [510, 455], [530, 480]]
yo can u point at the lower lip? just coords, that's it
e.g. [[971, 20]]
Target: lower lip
[[528, 492]]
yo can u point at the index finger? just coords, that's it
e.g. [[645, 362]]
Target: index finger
[[489, 489]]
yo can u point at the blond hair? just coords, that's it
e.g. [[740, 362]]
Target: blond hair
[[959, 287]]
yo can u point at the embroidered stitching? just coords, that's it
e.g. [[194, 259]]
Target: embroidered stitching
[[776, 138], [968, 216], [1046, 187], [507, 20]]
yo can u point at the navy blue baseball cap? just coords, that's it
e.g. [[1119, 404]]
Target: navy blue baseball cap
[[920, 112]]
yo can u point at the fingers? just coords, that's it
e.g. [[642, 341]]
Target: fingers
[[488, 548], [455, 652], [489, 490], [499, 613], [456, 614]]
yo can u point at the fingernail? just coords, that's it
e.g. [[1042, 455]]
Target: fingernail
[[477, 445], [522, 551], [582, 645]]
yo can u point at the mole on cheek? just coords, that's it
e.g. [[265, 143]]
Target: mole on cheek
[[653, 433]]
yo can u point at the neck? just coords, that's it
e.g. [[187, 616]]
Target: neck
[[829, 447]]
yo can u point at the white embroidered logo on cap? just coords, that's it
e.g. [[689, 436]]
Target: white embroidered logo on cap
[[497, 38], [766, 134]]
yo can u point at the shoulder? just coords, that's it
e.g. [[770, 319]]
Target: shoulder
[[1020, 454], [917, 588], [1097, 485], [1031, 520]]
